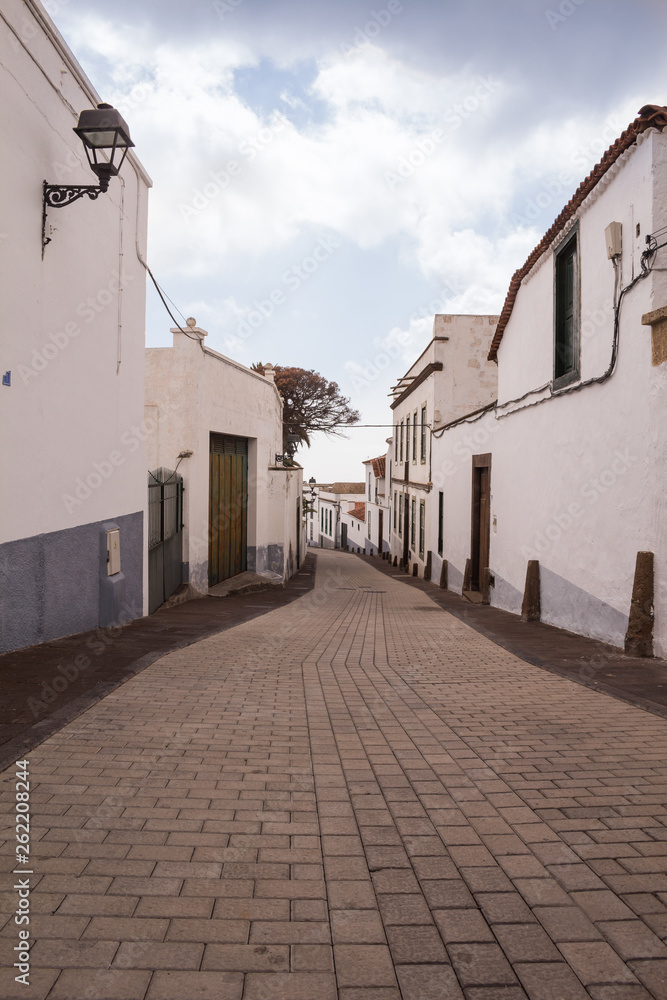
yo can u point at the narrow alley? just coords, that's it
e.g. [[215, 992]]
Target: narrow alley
[[352, 797]]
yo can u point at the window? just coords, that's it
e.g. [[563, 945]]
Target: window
[[322, 519], [441, 512], [369, 485], [407, 439], [414, 438], [422, 522], [396, 443], [368, 520], [566, 313], [394, 510], [400, 514], [422, 446], [401, 449], [413, 519]]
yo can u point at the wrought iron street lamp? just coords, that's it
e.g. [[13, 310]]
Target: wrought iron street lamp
[[100, 128]]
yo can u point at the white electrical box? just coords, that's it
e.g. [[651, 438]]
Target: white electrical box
[[613, 234], [113, 552]]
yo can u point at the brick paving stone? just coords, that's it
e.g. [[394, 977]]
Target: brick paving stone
[[102, 984], [633, 939], [289, 986], [415, 945], [195, 986], [311, 958], [596, 962], [364, 965], [452, 793], [550, 981], [481, 964], [566, 923], [653, 974], [357, 927], [624, 992], [526, 943], [437, 982]]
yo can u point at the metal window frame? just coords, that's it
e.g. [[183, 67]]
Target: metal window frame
[[560, 251]]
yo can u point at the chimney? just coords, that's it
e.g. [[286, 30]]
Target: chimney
[[269, 373]]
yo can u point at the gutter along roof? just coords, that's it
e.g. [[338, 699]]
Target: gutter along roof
[[650, 116]]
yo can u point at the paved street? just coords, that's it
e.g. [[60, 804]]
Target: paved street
[[353, 796]]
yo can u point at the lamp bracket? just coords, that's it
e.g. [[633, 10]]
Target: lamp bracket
[[59, 195]]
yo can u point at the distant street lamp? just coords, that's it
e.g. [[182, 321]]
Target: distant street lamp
[[100, 128]]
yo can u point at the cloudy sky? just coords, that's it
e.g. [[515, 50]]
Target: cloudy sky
[[366, 164]]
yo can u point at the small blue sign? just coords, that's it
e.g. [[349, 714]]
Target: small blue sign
[[7, 378]]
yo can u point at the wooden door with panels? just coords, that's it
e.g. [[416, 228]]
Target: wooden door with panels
[[228, 507]]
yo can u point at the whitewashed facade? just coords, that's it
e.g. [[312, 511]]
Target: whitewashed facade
[[332, 502], [377, 472], [578, 458], [71, 402], [451, 377], [354, 527], [196, 400]]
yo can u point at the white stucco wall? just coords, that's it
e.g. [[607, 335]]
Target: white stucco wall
[[73, 320], [466, 382], [192, 392], [73, 343], [577, 482]]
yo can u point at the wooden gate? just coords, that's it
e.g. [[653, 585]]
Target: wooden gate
[[165, 535], [228, 508]]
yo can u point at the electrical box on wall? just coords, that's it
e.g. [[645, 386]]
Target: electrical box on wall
[[113, 552], [613, 235]]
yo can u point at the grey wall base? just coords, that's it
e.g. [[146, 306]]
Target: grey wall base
[[50, 585], [266, 558]]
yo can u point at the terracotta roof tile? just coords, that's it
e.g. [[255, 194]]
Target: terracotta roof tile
[[348, 488], [379, 466], [359, 510], [650, 116]]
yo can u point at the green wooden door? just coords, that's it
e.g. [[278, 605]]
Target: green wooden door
[[228, 517]]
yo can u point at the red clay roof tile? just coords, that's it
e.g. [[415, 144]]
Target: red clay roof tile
[[650, 116]]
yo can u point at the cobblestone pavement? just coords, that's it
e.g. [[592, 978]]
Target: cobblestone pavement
[[353, 797]]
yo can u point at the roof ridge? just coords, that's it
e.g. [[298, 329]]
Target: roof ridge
[[650, 116]]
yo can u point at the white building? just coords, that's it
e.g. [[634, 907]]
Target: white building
[[331, 501], [569, 470], [377, 506], [354, 528], [451, 377], [220, 424], [72, 355]]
